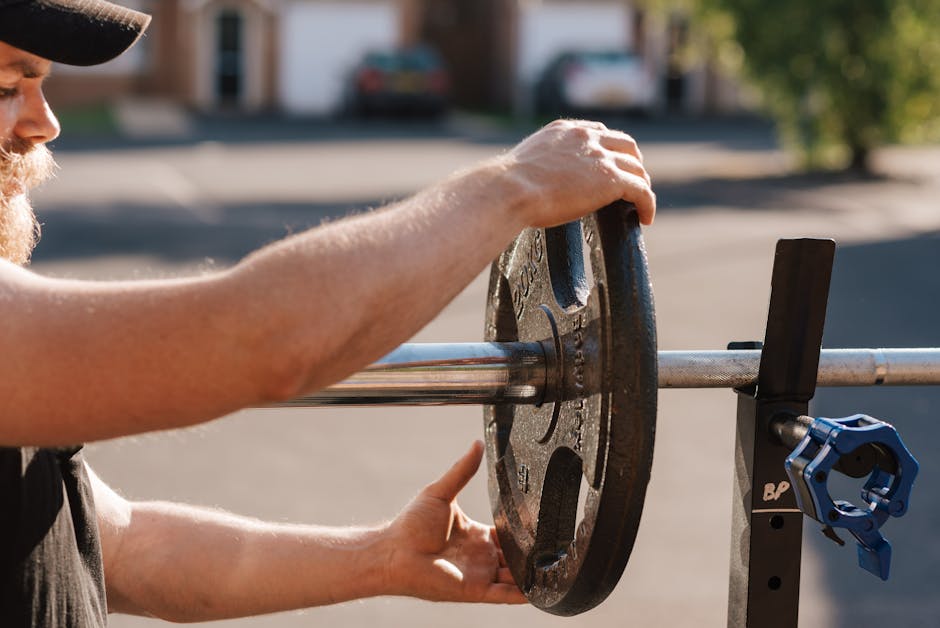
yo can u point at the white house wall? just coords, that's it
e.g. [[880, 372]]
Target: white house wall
[[549, 28], [319, 42]]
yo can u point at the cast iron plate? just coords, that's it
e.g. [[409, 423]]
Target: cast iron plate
[[567, 478]]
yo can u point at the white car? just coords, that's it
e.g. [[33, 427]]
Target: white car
[[596, 81]]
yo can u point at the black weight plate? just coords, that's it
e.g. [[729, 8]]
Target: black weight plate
[[567, 478]]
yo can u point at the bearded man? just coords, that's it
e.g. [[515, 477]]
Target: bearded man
[[22, 167], [282, 322]]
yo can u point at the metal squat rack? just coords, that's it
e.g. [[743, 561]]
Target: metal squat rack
[[778, 447]]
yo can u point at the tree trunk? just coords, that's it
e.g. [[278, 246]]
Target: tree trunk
[[860, 162]]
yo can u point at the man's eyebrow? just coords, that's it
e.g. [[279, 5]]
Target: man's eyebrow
[[26, 68]]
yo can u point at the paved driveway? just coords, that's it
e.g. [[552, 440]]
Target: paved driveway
[[725, 198]]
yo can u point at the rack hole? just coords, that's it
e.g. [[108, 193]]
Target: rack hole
[[776, 522], [774, 583]]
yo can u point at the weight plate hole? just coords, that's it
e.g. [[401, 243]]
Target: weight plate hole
[[505, 324], [582, 498], [586, 261], [558, 509], [565, 247]]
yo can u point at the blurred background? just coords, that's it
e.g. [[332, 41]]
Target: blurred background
[[328, 58], [236, 122]]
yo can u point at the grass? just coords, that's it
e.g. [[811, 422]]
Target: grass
[[88, 120]]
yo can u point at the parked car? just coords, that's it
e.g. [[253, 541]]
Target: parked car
[[395, 82], [579, 82]]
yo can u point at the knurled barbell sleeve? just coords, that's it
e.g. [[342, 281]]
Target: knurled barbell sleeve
[[837, 367]]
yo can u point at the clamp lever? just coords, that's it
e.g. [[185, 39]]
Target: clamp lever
[[858, 445]]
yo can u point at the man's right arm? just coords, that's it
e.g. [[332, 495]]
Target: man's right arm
[[84, 361], [185, 564]]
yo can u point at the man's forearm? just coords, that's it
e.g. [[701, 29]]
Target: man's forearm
[[373, 281], [185, 564], [97, 360], [190, 564]]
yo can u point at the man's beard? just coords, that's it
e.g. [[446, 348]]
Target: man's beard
[[23, 166]]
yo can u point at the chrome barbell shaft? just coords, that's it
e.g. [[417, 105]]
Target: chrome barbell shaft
[[515, 372], [443, 374], [837, 367]]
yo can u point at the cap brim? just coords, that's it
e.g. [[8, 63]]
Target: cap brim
[[76, 32]]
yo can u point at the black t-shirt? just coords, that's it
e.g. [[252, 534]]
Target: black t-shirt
[[50, 554]]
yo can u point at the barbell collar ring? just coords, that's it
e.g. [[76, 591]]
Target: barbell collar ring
[[859, 446], [515, 373]]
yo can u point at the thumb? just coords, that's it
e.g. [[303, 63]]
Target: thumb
[[452, 482]]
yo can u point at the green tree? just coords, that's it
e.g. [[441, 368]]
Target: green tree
[[840, 77]]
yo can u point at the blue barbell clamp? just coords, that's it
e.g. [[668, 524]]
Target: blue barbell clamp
[[886, 492]]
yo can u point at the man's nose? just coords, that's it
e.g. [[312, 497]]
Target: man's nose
[[37, 124]]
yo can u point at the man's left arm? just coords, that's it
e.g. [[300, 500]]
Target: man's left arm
[[182, 563]]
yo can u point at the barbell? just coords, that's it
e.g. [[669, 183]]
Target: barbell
[[568, 377], [479, 373]]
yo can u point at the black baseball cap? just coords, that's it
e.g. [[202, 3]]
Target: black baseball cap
[[74, 32]]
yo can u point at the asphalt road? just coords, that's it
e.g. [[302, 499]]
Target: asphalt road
[[726, 194]]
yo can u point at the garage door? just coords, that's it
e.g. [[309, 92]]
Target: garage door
[[546, 29], [320, 42]]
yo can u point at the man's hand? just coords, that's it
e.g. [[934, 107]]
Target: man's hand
[[574, 167], [185, 564], [438, 553]]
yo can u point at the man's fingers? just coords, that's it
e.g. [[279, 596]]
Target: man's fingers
[[631, 164], [504, 576], [629, 159], [643, 197], [494, 539], [499, 593], [573, 122], [646, 207], [622, 143], [453, 481], [591, 124], [639, 184]]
